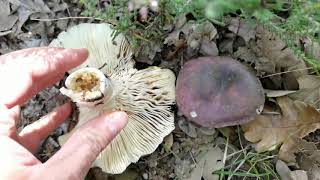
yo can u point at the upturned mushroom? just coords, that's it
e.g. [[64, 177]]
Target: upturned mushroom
[[108, 81], [218, 92]]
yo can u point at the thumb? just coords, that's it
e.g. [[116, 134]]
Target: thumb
[[80, 151]]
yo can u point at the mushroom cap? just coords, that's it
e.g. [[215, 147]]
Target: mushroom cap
[[145, 95], [218, 92]]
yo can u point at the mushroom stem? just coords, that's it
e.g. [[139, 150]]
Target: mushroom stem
[[87, 87]]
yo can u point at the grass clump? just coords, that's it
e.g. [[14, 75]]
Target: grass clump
[[290, 20], [249, 165]]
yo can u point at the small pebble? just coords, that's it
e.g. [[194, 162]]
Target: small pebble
[[145, 176]]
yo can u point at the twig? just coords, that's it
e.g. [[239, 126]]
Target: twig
[[286, 72], [65, 18]]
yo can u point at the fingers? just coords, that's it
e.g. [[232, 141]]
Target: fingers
[[31, 70], [85, 144], [8, 120], [32, 135]]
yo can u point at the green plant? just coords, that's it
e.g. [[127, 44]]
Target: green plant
[[249, 165], [128, 22], [291, 20], [302, 21]]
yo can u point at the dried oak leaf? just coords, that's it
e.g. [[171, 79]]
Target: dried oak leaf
[[7, 20], [207, 162], [263, 65], [297, 119], [309, 90], [195, 37], [298, 175], [271, 47], [242, 28], [305, 153], [25, 8]]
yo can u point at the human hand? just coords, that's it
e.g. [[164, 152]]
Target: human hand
[[23, 74]]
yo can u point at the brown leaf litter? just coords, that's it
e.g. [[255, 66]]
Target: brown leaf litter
[[275, 64], [271, 58], [193, 38], [7, 20], [268, 131], [309, 90]]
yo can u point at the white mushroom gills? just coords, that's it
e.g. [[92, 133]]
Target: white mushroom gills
[[145, 95], [88, 87]]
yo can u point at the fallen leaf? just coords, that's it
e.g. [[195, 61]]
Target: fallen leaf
[[283, 170], [298, 175], [242, 28], [207, 30], [277, 93], [147, 52], [207, 162], [208, 48], [7, 20], [269, 131], [27, 8], [315, 173], [33, 5], [271, 47], [195, 37], [309, 90], [271, 57], [182, 167], [297, 145], [5, 7], [181, 20], [226, 46], [286, 174], [56, 7], [261, 64], [187, 128], [207, 131]]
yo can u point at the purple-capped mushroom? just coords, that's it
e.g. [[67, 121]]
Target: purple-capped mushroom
[[218, 92]]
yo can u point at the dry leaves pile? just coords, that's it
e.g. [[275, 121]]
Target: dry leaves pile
[[293, 97], [293, 92], [20, 27], [295, 120], [208, 161]]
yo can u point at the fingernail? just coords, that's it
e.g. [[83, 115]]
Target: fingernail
[[116, 121], [80, 50]]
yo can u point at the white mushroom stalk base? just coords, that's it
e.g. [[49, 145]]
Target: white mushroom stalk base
[[87, 87]]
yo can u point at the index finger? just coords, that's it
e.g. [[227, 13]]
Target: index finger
[[28, 71]]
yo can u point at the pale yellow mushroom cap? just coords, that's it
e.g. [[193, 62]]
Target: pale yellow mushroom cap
[[145, 95]]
